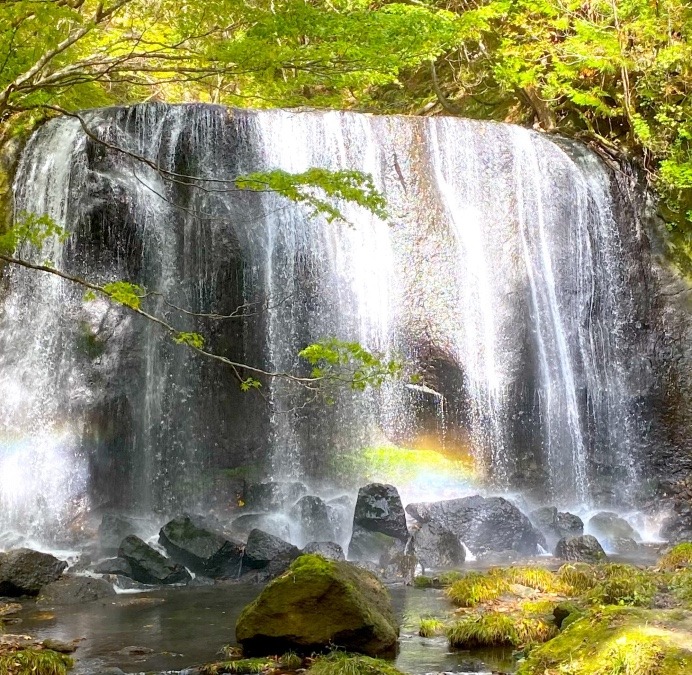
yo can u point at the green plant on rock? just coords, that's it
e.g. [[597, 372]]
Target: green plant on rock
[[679, 556], [537, 578], [34, 662], [498, 629], [443, 580], [430, 626], [343, 663]]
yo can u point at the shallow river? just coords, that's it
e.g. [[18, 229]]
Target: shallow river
[[170, 630]]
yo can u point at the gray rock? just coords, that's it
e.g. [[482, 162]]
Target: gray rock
[[437, 547], [379, 509], [148, 565], [327, 549], [114, 566], [26, 572], [583, 549], [482, 523], [621, 545], [556, 525], [200, 550], [313, 515], [374, 547], [273, 523], [75, 591], [607, 524], [273, 496], [262, 548], [113, 529]]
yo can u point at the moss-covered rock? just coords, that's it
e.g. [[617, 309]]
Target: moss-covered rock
[[616, 641], [340, 663], [316, 603]]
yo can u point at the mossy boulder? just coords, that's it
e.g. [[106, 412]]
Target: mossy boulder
[[616, 640], [318, 603], [583, 549]]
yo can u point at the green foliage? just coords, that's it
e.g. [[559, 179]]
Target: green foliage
[[34, 662], [194, 340], [538, 578], [679, 556], [342, 663], [127, 294], [498, 629], [623, 585], [476, 588], [430, 626], [30, 230], [337, 362], [348, 186], [578, 576], [290, 661], [239, 667]]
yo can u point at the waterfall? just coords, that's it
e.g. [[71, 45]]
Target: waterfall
[[500, 275]]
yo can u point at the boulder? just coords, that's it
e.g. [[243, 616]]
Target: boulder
[[26, 572], [313, 516], [148, 565], [204, 552], [583, 549], [482, 523], [621, 545], [318, 604], [379, 509], [327, 549], [114, 566], [273, 523], [375, 547], [437, 547], [113, 529], [75, 591], [608, 525], [556, 525], [273, 496], [263, 548]]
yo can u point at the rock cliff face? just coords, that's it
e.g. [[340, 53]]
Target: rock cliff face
[[522, 278]]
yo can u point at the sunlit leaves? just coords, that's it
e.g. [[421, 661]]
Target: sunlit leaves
[[306, 187], [30, 230], [125, 293]]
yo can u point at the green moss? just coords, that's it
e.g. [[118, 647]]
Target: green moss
[[498, 629], [345, 599], [342, 663], [430, 626], [613, 641], [678, 556], [34, 662]]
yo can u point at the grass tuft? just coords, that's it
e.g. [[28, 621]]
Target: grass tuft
[[343, 663], [290, 661], [475, 588], [34, 662], [623, 585], [430, 627], [537, 578], [239, 667], [579, 577], [497, 629], [678, 556]]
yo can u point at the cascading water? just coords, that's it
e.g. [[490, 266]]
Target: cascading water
[[501, 276]]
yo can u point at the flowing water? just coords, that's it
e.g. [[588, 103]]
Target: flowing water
[[502, 275]]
